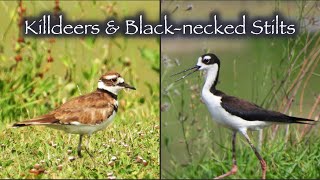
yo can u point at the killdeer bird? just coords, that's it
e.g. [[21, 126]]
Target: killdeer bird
[[85, 114], [234, 113]]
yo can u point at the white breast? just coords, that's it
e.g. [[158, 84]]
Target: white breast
[[221, 116]]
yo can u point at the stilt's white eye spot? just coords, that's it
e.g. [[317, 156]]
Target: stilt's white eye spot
[[206, 59]]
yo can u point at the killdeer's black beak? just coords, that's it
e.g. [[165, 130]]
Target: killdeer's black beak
[[125, 85], [195, 68]]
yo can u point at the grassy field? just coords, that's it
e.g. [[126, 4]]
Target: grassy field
[[277, 73], [284, 160], [53, 70]]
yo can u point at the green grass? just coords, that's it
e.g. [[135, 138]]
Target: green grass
[[134, 133], [34, 86], [284, 160]]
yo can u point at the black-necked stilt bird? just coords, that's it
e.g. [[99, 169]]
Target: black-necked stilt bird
[[234, 113]]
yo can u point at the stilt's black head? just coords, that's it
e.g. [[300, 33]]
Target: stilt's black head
[[208, 61], [205, 62]]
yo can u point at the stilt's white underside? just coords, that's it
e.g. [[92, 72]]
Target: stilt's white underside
[[221, 116], [218, 113]]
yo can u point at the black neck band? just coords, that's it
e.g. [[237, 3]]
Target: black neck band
[[114, 96], [213, 87]]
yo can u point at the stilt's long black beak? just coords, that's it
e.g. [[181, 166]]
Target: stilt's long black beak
[[195, 68]]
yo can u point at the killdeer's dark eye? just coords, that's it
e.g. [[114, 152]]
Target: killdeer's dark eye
[[114, 80]]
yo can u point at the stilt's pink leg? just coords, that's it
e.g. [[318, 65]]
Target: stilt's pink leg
[[234, 161], [262, 161]]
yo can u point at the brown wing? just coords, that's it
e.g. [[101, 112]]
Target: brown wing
[[94, 99], [84, 115], [90, 109]]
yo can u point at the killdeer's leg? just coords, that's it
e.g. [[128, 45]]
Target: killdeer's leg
[[262, 161], [87, 146], [234, 161], [88, 142], [79, 146]]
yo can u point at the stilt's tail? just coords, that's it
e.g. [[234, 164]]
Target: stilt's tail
[[301, 120]]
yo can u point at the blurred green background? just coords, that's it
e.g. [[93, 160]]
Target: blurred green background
[[39, 74], [265, 71]]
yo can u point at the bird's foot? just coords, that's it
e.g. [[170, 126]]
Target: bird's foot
[[231, 172], [80, 155], [264, 168], [88, 152]]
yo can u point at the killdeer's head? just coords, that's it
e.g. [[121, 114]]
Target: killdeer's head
[[207, 62], [113, 82]]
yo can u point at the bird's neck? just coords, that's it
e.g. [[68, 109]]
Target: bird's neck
[[114, 96], [211, 79]]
